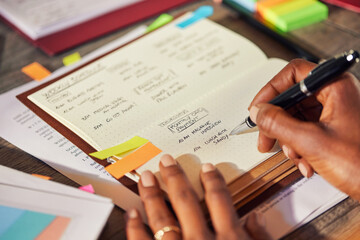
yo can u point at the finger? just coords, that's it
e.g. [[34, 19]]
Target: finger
[[158, 213], [265, 144], [303, 137], [305, 168], [289, 152], [184, 200], [294, 72], [291, 74], [219, 202], [255, 227], [135, 229], [335, 96]]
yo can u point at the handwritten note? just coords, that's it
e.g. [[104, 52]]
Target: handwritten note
[[115, 97]]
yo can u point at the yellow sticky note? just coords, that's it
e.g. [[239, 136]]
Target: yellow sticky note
[[36, 71], [72, 58], [131, 144], [133, 160], [41, 176]]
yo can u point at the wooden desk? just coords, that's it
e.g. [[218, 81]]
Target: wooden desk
[[341, 31]]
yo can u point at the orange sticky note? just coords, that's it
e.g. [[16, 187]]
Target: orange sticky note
[[133, 160], [41, 176], [36, 71], [55, 229]]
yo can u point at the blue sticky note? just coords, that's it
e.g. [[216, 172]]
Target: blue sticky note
[[198, 14], [28, 226], [8, 216]]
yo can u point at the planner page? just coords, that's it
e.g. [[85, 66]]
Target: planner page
[[111, 99], [198, 132]]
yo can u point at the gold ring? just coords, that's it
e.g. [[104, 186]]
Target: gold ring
[[160, 234]]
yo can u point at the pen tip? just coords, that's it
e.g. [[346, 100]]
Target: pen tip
[[239, 129]]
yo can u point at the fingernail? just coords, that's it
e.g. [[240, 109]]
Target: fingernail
[[285, 150], [260, 219], [207, 167], [253, 113], [302, 168], [167, 161], [133, 213], [147, 179]]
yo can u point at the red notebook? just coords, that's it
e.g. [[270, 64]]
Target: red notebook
[[353, 5], [96, 27]]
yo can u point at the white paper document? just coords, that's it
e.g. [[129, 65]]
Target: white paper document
[[23, 128], [298, 204], [87, 212]]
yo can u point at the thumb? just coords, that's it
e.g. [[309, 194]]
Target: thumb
[[276, 123]]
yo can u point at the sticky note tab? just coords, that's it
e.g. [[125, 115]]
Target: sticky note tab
[[71, 59], [133, 160], [131, 144], [87, 188], [198, 14], [160, 21], [41, 176], [36, 71], [55, 229]]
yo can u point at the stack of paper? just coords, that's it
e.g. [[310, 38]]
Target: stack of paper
[[39, 18], [33, 208]]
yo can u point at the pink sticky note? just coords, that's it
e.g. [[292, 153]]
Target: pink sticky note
[[87, 188]]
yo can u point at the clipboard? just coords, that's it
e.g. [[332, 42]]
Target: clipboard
[[96, 27]]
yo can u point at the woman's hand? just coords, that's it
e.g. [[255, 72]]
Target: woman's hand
[[322, 133], [190, 218]]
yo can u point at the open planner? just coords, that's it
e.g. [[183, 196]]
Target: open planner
[[183, 89]]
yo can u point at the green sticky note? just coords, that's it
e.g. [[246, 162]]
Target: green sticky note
[[129, 145], [313, 13], [160, 21], [28, 226], [71, 59]]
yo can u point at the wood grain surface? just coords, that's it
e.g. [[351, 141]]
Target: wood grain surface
[[340, 32]]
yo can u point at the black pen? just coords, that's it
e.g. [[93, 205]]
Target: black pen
[[317, 78]]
